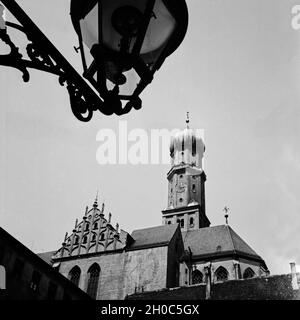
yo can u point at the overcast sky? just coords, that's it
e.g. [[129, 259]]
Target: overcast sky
[[237, 73]]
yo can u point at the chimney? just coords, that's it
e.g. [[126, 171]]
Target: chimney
[[294, 276]]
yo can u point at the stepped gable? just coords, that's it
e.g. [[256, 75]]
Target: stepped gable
[[94, 234]]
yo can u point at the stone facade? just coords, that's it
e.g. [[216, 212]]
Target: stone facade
[[137, 267]]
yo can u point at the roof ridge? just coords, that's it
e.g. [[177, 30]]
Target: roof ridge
[[245, 243], [231, 239], [159, 226]]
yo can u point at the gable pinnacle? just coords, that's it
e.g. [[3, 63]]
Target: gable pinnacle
[[187, 120], [95, 205]]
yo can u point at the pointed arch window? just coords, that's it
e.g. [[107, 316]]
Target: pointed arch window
[[87, 227], [74, 275], [94, 237], [84, 239], [102, 237], [93, 280], [76, 240], [96, 225], [248, 273], [197, 277], [221, 274]]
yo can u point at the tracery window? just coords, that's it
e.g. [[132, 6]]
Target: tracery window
[[74, 275], [93, 280], [221, 274], [248, 273], [197, 277]]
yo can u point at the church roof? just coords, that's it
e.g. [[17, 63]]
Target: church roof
[[153, 237], [47, 256], [217, 241]]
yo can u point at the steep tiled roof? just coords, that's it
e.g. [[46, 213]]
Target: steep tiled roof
[[216, 241], [152, 237], [46, 256]]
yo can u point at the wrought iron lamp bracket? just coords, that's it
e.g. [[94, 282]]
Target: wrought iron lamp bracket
[[43, 56]]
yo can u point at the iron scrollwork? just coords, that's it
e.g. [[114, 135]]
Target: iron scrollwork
[[43, 56]]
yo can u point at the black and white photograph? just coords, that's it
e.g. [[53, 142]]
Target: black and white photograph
[[149, 152]]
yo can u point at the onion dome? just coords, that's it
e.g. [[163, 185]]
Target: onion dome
[[187, 147]]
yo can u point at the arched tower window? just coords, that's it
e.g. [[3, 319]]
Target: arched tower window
[[191, 221], [94, 237], [74, 275], [87, 227], [221, 274], [84, 239], [194, 149], [93, 280], [248, 273], [197, 277], [96, 225]]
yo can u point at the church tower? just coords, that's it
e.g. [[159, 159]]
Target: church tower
[[186, 193]]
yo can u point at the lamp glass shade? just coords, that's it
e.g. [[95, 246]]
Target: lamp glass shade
[[161, 26]]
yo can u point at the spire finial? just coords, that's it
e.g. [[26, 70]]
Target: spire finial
[[109, 218], [187, 120], [226, 210], [95, 205]]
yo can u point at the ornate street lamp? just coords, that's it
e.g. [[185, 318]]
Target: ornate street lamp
[[121, 38]]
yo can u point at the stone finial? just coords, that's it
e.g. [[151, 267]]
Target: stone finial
[[109, 218], [66, 236], [76, 223], [86, 210], [117, 227]]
